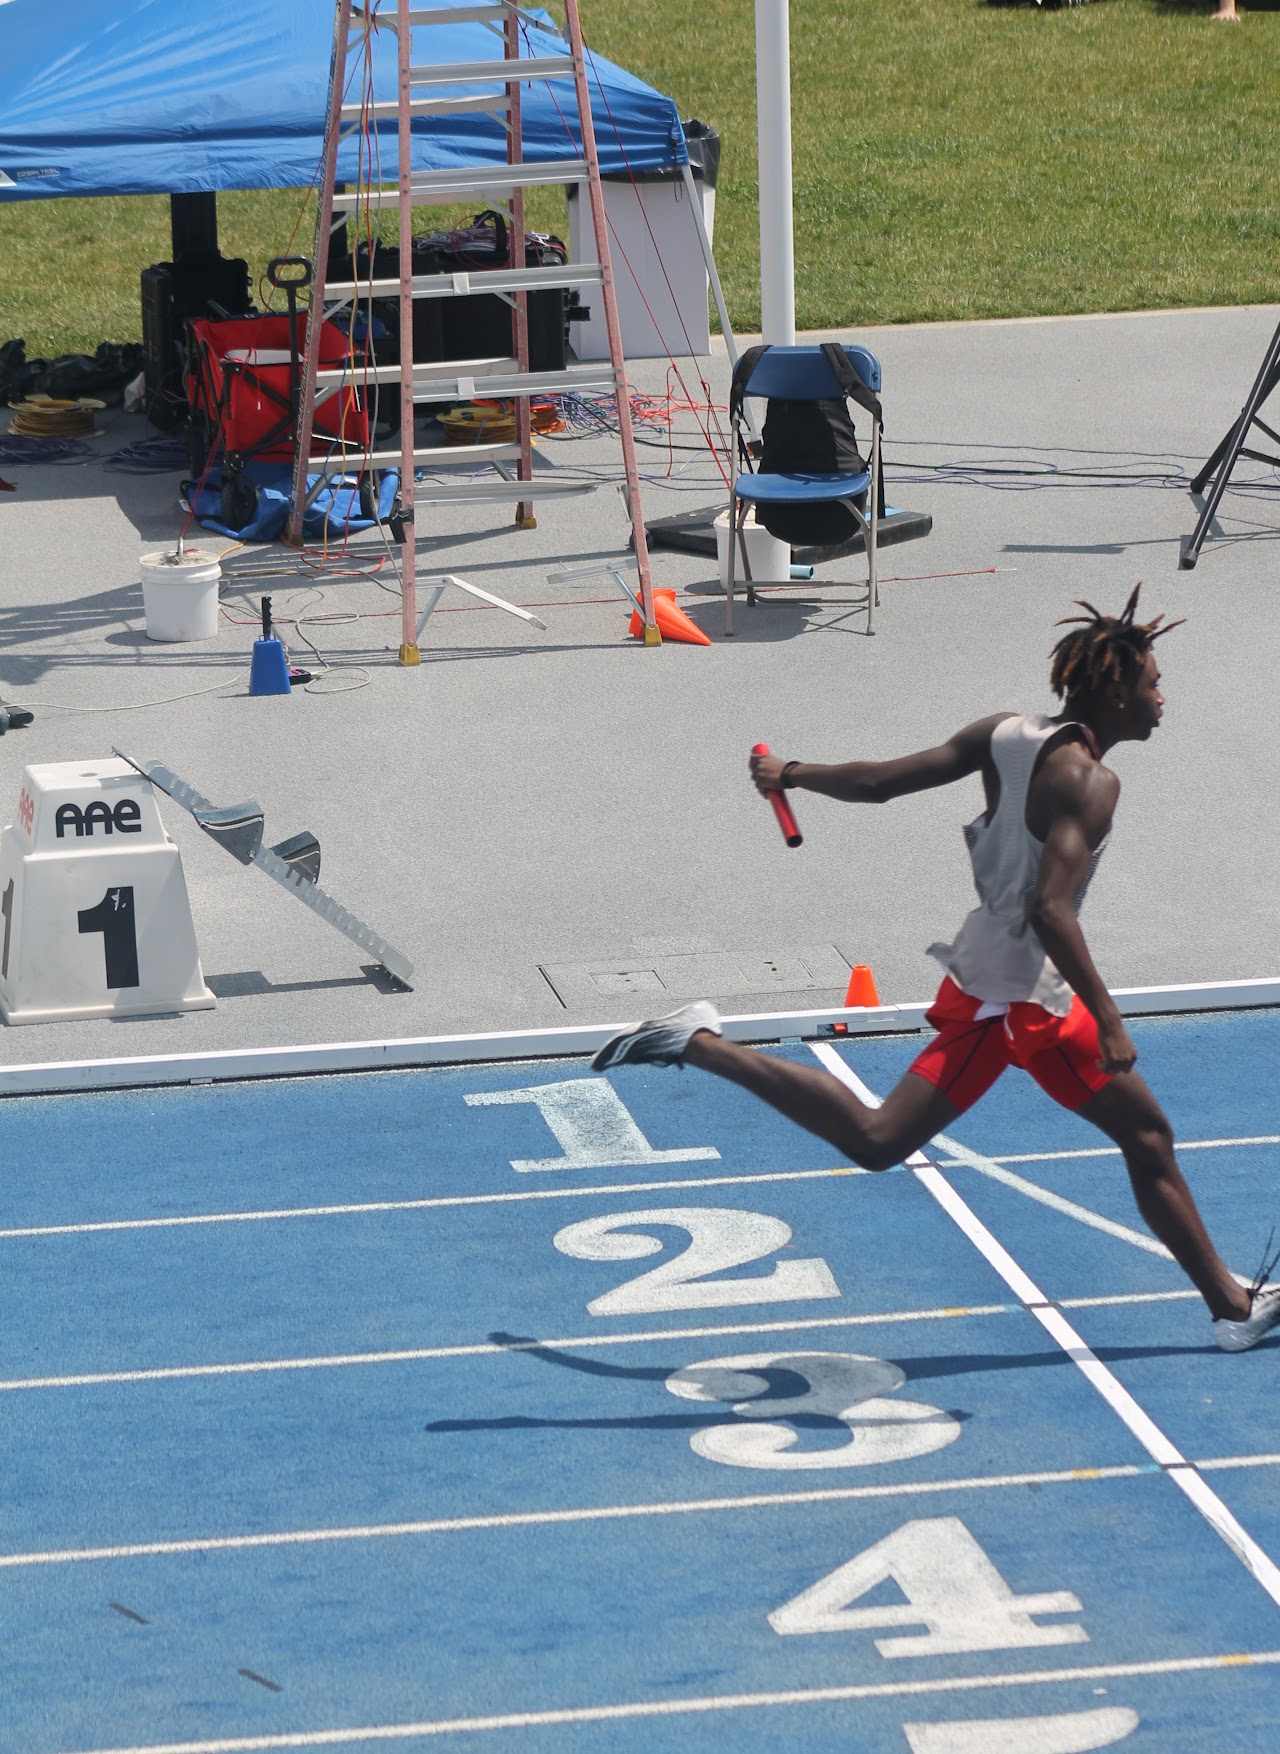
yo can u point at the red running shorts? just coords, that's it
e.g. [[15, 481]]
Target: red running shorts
[[967, 1055]]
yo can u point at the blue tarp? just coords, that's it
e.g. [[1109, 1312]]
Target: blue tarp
[[150, 97], [333, 511]]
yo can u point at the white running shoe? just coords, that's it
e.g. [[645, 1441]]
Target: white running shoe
[[1263, 1316], [661, 1041]]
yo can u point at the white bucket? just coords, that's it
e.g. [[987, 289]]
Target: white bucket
[[770, 558], [180, 594]]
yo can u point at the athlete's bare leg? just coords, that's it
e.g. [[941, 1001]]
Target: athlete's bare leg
[[1127, 1112], [874, 1138]]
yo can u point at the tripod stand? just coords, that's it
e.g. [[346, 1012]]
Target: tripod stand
[[1233, 447]]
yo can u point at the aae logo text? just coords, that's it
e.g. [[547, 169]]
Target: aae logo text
[[124, 818]]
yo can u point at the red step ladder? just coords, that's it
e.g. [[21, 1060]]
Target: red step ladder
[[429, 87]]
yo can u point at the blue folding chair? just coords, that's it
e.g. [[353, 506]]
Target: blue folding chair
[[804, 374]]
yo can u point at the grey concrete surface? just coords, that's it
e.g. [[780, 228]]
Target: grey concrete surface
[[557, 828]]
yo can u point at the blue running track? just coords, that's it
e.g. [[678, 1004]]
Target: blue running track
[[515, 1408]]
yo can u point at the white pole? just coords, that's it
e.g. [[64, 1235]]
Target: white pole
[[773, 107]]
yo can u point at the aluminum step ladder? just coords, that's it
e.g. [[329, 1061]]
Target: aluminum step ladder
[[427, 87]]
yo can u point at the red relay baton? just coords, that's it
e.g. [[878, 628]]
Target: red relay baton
[[781, 809]]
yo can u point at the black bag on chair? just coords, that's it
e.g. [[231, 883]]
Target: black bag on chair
[[809, 438]]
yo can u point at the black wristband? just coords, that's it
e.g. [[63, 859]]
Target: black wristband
[[786, 771]]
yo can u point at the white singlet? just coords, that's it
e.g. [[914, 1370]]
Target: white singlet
[[996, 956]]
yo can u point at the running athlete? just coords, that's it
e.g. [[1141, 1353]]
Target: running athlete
[[1020, 988]]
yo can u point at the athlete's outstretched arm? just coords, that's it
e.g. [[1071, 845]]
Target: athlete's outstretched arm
[[876, 782], [1080, 803]]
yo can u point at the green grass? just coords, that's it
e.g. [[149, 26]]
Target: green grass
[[952, 159]]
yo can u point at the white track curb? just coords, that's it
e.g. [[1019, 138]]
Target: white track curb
[[544, 1044]]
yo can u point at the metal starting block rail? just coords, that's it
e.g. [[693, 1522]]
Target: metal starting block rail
[[294, 863]]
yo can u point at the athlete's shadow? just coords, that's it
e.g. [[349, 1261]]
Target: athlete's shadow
[[783, 1384], [972, 1364]]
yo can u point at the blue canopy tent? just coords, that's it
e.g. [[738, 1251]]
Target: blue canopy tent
[[144, 97]]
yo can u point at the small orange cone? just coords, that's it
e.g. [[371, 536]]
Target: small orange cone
[[862, 988], [862, 992], [672, 623]]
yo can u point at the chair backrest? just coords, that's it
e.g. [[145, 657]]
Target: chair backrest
[[802, 374]]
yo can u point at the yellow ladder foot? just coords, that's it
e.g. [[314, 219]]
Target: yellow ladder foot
[[409, 655]]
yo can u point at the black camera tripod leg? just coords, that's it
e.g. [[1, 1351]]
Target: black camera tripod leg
[[1224, 459]]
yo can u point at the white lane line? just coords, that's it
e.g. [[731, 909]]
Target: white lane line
[[1120, 1297], [268, 1214], [520, 1519], [491, 1349], [1157, 1445], [963, 1157], [1258, 1461], [356, 1208], [1114, 1150], [659, 1708], [588, 1514]]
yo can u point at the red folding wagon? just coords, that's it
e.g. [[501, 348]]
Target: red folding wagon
[[243, 380]]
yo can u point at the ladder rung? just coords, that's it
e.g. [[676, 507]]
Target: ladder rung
[[424, 456], [391, 374], [488, 9], [388, 110], [517, 383], [458, 380], [462, 15], [466, 283], [519, 69], [489, 179], [499, 491], [441, 454]]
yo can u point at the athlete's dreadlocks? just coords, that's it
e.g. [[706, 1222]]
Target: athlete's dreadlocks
[[1102, 648]]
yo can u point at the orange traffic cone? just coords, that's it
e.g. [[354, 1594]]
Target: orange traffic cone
[[862, 992], [672, 623], [862, 988]]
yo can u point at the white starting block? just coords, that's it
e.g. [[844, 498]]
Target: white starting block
[[96, 921]]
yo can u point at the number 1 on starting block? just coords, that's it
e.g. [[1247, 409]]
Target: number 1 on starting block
[[96, 920]]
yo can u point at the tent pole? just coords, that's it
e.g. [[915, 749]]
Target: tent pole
[[695, 205], [717, 292]]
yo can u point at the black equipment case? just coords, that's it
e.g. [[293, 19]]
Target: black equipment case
[[480, 325], [203, 284]]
